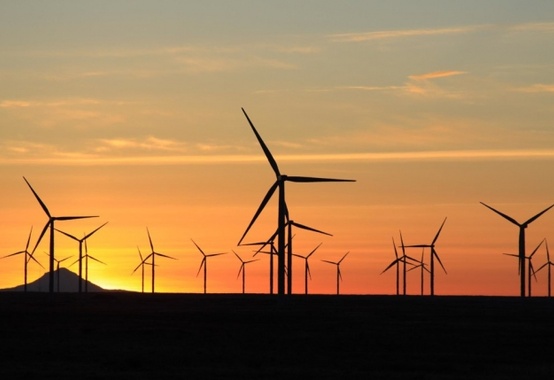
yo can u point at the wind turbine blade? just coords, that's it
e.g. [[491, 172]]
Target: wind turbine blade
[[74, 217], [402, 244], [438, 232], [140, 254], [313, 250], [339, 273], [343, 257], [267, 153], [395, 250], [308, 270], [95, 259], [390, 265], [35, 260], [202, 263], [166, 256], [330, 262], [215, 254], [418, 246], [41, 235], [539, 214], [433, 252], [29, 239], [150, 239], [238, 257], [90, 234], [260, 208], [536, 249], [240, 269], [547, 252], [66, 234], [38, 199], [316, 179], [502, 214], [200, 249], [309, 228], [13, 254]]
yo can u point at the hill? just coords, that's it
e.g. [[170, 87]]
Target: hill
[[68, 283]]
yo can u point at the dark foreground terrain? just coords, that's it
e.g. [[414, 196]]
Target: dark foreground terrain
[[145, 336]]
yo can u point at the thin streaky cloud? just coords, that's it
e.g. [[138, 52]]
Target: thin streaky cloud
[[402, 33], [537, 88], [78, 159], [534, 27], [437, 74]]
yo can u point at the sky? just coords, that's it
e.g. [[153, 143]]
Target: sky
[[131, 111]]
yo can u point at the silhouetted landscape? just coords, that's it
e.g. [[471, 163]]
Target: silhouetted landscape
[[115, 334]]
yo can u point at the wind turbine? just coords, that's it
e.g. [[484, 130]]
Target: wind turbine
[[307, 267], [531, 270], [396, 262], [432, 257], [27, 257], [421, 264], [80, 241], [522, 227], [141, 265], [50, 225], [272, 253], [58, 262], [548, 264], [290, 224], [152, 257], [86, 257], [204, 262], [337, 263], [243, 269], [279, 183]]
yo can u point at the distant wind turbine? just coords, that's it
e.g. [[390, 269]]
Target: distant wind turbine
[[396, 262], [141, 265], [152, 257], [27, 257], [522, 227], [307, 267], [531, 270], [432, 258], [243, 269], [281, 179], [339, 275], [549, 265], [272, 253], [58, 262], [86, 257], [50, 225], [80, 241], [204, 262], [421, 264]]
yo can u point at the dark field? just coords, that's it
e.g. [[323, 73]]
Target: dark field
[[144, 336]]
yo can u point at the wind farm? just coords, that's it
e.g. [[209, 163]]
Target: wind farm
[[230, 121]]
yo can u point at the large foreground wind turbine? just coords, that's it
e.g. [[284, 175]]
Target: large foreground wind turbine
[[279, 183], [50, 225], [80, 241], [28, 256], [433, 256], [339, 275], [204, 262], [522, 227]]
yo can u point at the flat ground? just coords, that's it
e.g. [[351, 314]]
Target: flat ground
[[145, 336]]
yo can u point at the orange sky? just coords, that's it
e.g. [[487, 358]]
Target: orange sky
[[135, 116]]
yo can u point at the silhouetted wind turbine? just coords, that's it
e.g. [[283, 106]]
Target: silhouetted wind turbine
[[204, 262], [27, 257], [548, 264], [86, 257], [522, 227], [339, 275], [421, 264], [307, 267], [272, 253], [243, 269], [531, 270], [50, 225], [80, 241], [141, 265], [396, 262], [281, 213], [58, 262], [152, 257], [433, 255]]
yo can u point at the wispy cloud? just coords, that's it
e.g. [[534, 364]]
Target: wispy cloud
[[534, 27], [537, 88], [149, 143], [401, 33], [436, 74]]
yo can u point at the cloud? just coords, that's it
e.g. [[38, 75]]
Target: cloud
[[149, 143], [401, 33], [537, 88], [436, 74], [534, 27]]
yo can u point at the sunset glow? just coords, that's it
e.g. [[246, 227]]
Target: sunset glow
[[132, 111]]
